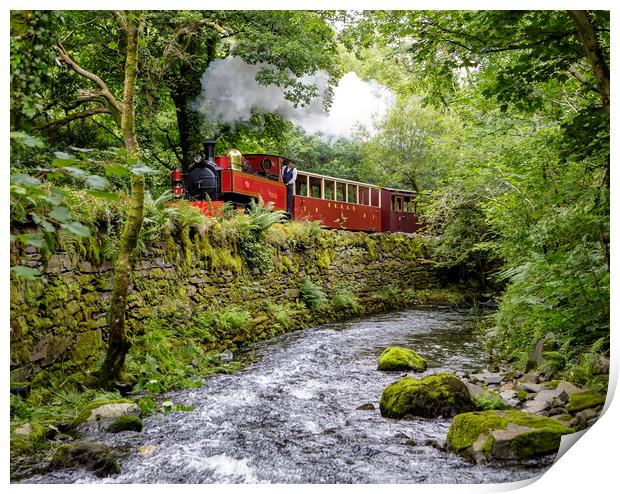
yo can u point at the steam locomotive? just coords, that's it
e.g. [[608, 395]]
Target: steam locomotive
[[239, 178]]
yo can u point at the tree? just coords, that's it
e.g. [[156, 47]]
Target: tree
[[413, 146], [288, 44], [131, 25]]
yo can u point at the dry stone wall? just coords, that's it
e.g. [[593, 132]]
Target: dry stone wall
[[62, 316]]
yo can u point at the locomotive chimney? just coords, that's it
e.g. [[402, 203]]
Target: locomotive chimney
[[209, 147]]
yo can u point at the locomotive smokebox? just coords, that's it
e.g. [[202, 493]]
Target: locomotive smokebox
[[209, 147]]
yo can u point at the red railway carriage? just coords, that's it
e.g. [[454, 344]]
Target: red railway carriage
[[399, 211], [336, 203]]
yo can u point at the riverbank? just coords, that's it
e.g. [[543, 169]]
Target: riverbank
[[306, 411]]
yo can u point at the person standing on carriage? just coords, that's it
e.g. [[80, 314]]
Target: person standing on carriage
[[289, 175]]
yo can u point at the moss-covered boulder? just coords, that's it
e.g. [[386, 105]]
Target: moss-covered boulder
[[504, 435], [398, 358], [581, 401], [96, 457], [100, 415], [441, 394], [126, 423]]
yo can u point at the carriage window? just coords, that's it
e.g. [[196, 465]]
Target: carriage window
[[340, 191], [329, 190], [375, 197], [352, 198], [301, 185], [315, 187], [363, 198], [407, 204]]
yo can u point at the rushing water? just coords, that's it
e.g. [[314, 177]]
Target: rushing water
[[292, 416]]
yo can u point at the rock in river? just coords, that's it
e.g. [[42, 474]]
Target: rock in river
[[398, 358], [504, 435], [441, 394], [90, 456]]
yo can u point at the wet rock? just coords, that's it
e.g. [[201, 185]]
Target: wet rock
[[509, 386], [96, 457], [504, 435], [557, 411], [225, 356], [508, 394], [487, 378], [366, 406], [441, 394], [24, 430], [586, 399], [545, 400], [100, 417], [531, 387], [397, 358], [474, 389], [126, 423], [440, 444], [601, 366], [584, 419], [568, 388], [529, 377]]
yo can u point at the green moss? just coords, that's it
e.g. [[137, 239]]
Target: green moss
[[126, 423], [581, 401], [371, 252], [439, 394], [224, 259], [396, 358], [521, 394], [86, 411], [323, 259], [467, 427], [287, 264]]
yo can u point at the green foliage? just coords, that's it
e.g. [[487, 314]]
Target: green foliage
[[311, 294], [345, 302], [489, 400]]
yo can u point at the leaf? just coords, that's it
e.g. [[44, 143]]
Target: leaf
[[142, 169], [81, 150], [63, 156], [116, 170], [61, 214], [34, 239], [77, 229], [106, 196], [27, 140], [24, 179], [97, 182], [112, 45], [25, 272], [74, 172]]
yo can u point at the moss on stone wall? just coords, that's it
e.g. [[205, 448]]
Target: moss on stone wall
[[61, 319]]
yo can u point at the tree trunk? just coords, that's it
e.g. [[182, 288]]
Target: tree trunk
[[185, 88], [595, 54], [118, 340], [188, 121]]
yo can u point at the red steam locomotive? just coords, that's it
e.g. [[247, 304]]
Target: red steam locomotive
[[336, 203]]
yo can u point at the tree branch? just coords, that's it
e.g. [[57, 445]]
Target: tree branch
[[105, 92], [74, 116], [594, 53]]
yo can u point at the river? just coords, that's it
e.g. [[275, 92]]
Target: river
[[292, 417]]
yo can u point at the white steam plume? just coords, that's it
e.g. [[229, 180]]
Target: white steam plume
[[230, 93]]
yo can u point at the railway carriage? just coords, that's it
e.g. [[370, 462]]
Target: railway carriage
[[336, 203]]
